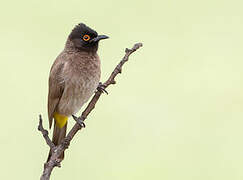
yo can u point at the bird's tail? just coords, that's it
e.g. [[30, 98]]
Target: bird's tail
[[58, 135]]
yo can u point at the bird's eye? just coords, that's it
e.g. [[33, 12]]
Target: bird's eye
[[86, 37]]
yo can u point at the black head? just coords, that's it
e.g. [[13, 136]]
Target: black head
[[85, 38]]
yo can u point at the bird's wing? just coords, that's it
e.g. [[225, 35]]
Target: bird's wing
[[56, 87]]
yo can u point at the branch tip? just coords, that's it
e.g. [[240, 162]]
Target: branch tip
[[137, 46]]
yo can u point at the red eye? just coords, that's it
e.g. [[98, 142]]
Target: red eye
[[86, 37]]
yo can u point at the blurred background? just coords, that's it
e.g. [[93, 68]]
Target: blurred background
[[176, 112]]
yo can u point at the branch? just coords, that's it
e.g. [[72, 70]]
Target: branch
[[57, 150], [45, 134]]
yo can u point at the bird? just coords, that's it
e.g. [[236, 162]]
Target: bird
[[74, 77]]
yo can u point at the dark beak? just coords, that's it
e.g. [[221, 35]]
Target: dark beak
[[98, 38]]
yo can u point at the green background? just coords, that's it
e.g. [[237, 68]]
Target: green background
[[176, 112]]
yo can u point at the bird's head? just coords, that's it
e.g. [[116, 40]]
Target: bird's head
[[85, 39]]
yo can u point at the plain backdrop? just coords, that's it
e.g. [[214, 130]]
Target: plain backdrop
[[176, 112]]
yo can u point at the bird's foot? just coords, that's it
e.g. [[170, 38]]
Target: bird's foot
[[101, 88], [79, 120]]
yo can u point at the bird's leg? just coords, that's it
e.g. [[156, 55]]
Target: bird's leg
[[79, 120], [101, 88]]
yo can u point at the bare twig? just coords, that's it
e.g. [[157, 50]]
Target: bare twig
[[45, 134], [57, 150]]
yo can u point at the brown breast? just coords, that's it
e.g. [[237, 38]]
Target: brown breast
[[81, 74]]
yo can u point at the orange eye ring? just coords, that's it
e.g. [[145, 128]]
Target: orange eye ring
[[86, 37]]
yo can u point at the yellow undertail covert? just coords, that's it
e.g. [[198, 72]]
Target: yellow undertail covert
[[61, 120]]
